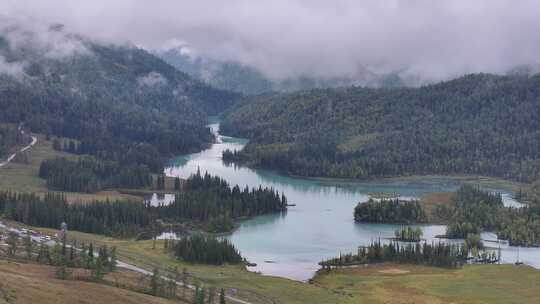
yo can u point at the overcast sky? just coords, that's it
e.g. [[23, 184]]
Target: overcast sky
[[433, 39]]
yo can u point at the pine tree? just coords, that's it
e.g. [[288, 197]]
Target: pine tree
[[28, 246], [12, 241], [62, 272], [222, 296], [90, 260], [97, 270], [196, 295], [211, 295], [56, 256], [202, 296], [43, 254], [112, 260], [184, 282], [172, 279], [155, 282], [72, 254]]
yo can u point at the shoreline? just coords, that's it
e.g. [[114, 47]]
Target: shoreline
[[487, 181]]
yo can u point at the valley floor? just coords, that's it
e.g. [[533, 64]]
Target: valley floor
[[385, 283], [400, 284]]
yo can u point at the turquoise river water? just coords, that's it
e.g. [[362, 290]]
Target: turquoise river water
[[321, 225]]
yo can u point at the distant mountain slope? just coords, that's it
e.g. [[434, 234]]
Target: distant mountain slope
[[477, 124], [104, 95], [248, 80]]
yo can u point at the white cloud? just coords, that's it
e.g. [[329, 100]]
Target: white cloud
[[43, 39], [433, 39], [14, 69], [152, 79]]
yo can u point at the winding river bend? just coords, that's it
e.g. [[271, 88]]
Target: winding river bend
[[321, 225]]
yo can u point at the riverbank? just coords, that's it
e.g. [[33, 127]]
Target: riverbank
[[482, 181], [321, 225]]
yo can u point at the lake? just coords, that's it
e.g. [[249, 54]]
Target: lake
[[321, 225]]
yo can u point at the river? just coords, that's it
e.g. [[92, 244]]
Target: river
[[321, 225]]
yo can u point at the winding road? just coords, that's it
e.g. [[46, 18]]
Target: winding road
[[12, 156], [127, 266]]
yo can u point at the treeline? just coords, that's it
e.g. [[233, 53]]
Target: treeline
[[63, 255], [477, 124], [205, 250], [473, 211], [521, 226], [439, 255], [408, 234], [229, 156], [89, 174], [213, 208], [394, 211], [118, 103], [118, 218]]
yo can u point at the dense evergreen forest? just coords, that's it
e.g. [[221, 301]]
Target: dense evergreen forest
[[212, 200], [473, 211], [209, 203], [394, 211], [118, 218], [89, 174], [206, 250], [439, 255], [477, 124], [120, 102], [10, 137]]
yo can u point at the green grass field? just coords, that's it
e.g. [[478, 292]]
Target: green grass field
[[387, 283], [31, 283], [23, 177], [391, 283]]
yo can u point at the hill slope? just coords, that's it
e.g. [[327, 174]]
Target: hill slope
[[104, 95], [31, 283], [477, 124], [231, 75]]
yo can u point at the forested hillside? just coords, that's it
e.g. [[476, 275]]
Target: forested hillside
[[477, 124], [114, 99], [10, 137]]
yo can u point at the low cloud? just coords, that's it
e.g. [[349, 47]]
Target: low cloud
[[29, 36], [13, 69], [152, 79], [429, 40]]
